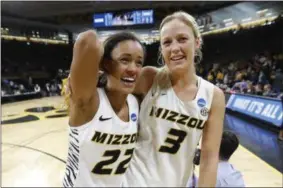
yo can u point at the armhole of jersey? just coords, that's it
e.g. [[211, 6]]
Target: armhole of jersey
[[209, 91], [83, 126]]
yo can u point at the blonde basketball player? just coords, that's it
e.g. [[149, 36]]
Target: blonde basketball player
[[178, 108], [103, 119]]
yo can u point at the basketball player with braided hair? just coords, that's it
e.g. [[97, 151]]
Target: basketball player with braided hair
[[103, 112], [178, 108]]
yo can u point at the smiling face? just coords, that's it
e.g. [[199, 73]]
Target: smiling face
[[178, 45], [125, 66]]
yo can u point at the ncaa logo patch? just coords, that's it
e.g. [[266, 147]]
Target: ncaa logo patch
[[133, 117], [204, 111], [201, 102]]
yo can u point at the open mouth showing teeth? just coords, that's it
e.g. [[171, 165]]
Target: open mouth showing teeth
[[177, 58], [128, 80]]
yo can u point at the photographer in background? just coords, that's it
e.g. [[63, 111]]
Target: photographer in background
[[227, 175]]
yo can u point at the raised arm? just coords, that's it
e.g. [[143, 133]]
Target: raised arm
[[145, 81], [211, 140], [87, 54]]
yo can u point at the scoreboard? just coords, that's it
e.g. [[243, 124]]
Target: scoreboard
[[138, 17]]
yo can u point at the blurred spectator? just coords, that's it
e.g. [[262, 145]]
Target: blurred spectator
[[277, 84], [37, 88], [262, 78], [22, 88], [267, 90], [210, 77], [238, 76], [242, 86], [53, 90], [219, 76], [251, 89], [258, 89], [226, 77], [272, 76], [253, 76], [201, 71], [30, 81]]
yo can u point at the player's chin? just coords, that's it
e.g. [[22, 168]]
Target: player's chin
[[178, 69], [129, 88]]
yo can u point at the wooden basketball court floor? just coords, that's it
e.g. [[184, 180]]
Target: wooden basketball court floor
[[34, 152]]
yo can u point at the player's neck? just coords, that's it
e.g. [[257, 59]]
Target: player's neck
[[184, 79], [117, 100]]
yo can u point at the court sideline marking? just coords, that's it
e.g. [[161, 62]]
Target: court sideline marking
[[34, 149]]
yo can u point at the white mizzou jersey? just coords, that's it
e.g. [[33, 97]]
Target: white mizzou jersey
[[170, 130], [100, 150]]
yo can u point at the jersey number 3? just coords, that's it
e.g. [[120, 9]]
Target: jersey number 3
[[114, 154], [177, 137]]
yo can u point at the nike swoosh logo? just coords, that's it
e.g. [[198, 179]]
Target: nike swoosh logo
[[161, 94], [103, 119]]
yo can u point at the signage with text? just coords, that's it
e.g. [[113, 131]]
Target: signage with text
[[260, 108]]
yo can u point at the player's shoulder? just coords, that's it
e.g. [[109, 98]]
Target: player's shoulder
[[149, 72], [214, 92], [218, 96], [145, 80]]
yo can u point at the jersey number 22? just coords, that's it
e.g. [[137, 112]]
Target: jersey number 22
[[114, 154]]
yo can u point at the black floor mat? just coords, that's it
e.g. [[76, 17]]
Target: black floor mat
[[57, 116], [40, 109], [23, 119]]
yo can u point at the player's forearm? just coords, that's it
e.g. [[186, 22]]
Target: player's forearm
[[208, 171]]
